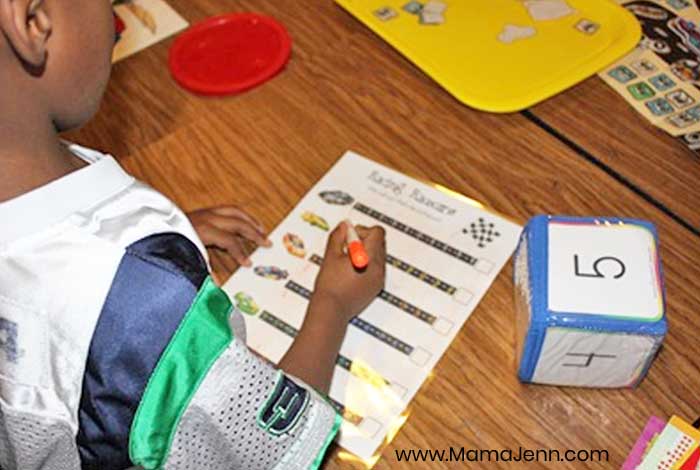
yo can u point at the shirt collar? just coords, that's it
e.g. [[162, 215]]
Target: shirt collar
[[57, 200]]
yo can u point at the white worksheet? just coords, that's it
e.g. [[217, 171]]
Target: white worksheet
[[142, 23], [444, 251]]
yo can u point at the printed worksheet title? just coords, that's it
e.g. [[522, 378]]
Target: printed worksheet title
[[415, 194]]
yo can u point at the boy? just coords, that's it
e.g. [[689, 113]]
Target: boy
[[116, 348]]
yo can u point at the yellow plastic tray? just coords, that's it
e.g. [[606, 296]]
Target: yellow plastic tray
[[465, 56]]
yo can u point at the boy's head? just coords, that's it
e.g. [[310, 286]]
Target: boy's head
[[55, 55]]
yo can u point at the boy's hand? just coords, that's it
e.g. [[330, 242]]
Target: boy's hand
[[340, 293], [227, 228], [349, 290]]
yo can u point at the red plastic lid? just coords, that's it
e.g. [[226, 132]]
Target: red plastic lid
[[229, 54]]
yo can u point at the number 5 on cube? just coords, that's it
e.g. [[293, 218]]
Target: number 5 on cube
[[589, 300]]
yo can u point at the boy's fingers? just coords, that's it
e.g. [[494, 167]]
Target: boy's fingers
[[336, 240], [370, 232], [372, 235], [362, 231], [228, 242], [375, 242], [232, 211], [244, 260], [240, 227]]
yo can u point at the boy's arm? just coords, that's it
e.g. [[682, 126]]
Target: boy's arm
[[212, 403], [313, 355], [341, 292]]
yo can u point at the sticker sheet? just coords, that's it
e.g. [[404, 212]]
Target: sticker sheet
[[661, 78], [675, 442], [141, 23], [645, 441], [444, 251], [691, 461]]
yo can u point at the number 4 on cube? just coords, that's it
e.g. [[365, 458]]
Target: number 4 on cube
[[589, 301]]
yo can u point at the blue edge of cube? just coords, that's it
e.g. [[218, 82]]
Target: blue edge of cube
[[542, 318]]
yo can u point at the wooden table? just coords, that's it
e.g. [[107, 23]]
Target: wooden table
[[581, 153]]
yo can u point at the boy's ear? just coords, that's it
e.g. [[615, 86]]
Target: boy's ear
[[27, 26]]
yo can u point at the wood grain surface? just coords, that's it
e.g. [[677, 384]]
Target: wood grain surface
[[598, 119], [346, 89]]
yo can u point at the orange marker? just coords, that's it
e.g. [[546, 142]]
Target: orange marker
[[356, 249]]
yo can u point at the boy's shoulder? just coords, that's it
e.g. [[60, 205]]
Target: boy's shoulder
[[100, 202], [76, 246]]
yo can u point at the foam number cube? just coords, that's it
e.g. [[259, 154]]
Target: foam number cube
[[589, 301]]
